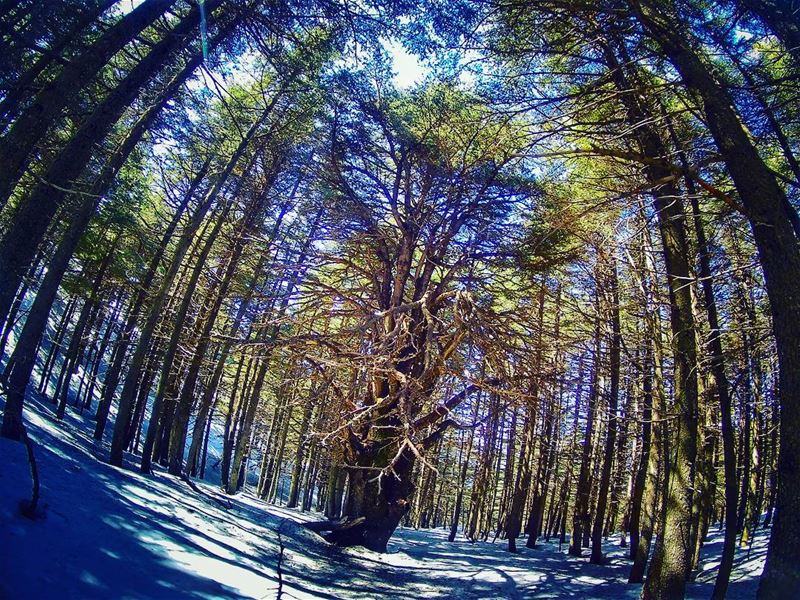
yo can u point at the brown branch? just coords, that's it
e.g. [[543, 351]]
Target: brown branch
[[441, 410]]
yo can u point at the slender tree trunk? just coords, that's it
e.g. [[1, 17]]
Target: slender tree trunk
[[655, 407], [168, 382], [206, 320], [76, 354], [78, 342], [57, 342], [613, 398], [299, 457], [636, 518], [720, 386], [522, 481], [462, 477], [672, 560], [580, 515], [773, 477], [242, 445], [101, 351], [335, 491], [14, 311], [231, 418]]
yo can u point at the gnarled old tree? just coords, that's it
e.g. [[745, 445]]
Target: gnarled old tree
[[272, 270], [418, 189]]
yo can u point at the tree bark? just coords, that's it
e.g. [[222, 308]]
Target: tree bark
[[35, 213], [580, 515], [31, 126], [672, 560], [611, 434], [299, 457], [764, 201], [462, 477]]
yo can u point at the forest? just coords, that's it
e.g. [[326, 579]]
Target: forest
[[362, 282]]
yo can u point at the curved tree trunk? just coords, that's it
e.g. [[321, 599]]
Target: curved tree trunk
[[34, 215], [20, 140], [673, 554], [778, 251]]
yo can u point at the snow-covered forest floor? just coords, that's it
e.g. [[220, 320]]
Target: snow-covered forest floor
[[111, 533]]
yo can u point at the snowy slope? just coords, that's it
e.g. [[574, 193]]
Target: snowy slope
[[111, 533]]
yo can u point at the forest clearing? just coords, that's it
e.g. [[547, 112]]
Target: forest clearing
[[400, 298]]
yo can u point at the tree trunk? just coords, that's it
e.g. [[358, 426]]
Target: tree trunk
[[56, 343], [14, 312], [242, 445], [375, 506], [206, 319], [636, 518], [611, 434], [78, 343], [522, 481], [580, 515], [720, 386], [299, 457], [462, 477], [232, 417], [36, 212], [335, 490], [780, 259], [655, 407], [100, 352], [672, 560], [45, 109]]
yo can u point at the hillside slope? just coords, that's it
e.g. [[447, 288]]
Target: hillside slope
[[111, 533]]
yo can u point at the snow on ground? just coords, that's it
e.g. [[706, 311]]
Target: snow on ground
[[113, 533]]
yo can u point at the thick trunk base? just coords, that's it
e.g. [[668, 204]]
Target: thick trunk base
[[372, 513], [371, 531]]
